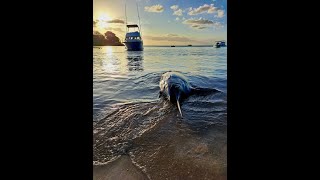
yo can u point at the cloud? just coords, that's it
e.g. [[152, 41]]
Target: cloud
[[174, 7], [155, 8], [202, 23], [220, 13], [115, 29], [217, 25], [109, 28], [116, 21], [172, 35], [195, 26], [168, 37], [198, 21], [202, 9], [177, 39], [178, 12], [177, 18]]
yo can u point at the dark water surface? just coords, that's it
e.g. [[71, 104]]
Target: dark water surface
[[130, 119]]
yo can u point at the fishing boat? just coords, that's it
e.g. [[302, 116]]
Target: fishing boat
[[220, 44], [133, 40]]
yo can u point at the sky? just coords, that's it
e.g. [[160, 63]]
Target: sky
[[164, 22]]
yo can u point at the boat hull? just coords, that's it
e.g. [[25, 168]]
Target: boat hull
[[134, 46], [218, 46]]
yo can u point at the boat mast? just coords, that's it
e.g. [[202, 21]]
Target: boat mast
[[139, 20], [125, 12]]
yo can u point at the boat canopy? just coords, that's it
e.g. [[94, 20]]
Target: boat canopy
[[133, 34], [132, 25]]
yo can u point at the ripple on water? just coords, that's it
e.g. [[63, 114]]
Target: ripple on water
[[131, 121]]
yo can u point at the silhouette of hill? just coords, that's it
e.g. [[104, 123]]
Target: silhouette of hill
[[108, 39]]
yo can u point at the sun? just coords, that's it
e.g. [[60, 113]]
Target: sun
[[103, 21]]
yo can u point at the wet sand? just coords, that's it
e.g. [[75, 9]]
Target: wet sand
[[172, 149], [180, 154], [121, 168]]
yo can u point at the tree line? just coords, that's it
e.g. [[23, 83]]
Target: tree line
[[108, 39]]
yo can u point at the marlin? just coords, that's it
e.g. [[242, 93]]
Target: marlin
[[175, 87]]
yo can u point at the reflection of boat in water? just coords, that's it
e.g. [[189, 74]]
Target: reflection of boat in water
[[220, 44], [133, 39], [135, 60]]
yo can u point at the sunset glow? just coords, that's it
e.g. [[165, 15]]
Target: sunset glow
[[165, 22], [102, 21]]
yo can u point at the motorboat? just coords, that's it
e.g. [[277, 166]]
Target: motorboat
[[133, 40], [220, 44]]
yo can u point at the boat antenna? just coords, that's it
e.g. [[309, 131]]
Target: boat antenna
[[139, 19], [125, 11]]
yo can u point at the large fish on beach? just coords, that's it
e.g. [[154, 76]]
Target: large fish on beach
[[175, 87]]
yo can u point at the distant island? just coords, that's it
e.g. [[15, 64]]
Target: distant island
[[108, 39]]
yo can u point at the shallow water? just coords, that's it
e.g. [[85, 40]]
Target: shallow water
[[130, 119]]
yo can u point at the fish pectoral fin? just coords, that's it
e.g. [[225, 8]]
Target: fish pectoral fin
[[178, 104], [204, 91]]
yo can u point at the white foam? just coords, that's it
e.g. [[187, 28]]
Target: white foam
[[97, 163]]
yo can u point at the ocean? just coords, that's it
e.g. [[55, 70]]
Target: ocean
[[131, 121]]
